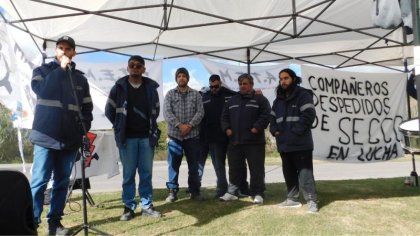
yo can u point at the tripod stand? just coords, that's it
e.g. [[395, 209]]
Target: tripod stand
[[85, 147]]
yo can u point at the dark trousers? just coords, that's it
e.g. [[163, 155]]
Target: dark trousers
[[298, 173], [238, 156], [218, 157], [176, 148]]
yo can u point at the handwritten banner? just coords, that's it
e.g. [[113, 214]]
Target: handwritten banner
[[358, 114]]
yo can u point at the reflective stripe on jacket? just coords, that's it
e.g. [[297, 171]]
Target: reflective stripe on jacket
[[56, 123], [244, 112], [292, 117], [116, 109]]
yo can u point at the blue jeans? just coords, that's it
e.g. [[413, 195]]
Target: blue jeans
[[46, 161], [218, 157], [191, 147], [137, 155]]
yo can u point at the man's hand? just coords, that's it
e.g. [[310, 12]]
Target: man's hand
[[254, 131], [276, 133], [64, 60], [185, 129], [229, 132]]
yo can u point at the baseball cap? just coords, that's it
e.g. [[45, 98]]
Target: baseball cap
[[136, 58], [67, 39]]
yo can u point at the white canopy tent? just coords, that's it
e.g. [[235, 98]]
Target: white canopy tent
[[332, 33], [337, 34]]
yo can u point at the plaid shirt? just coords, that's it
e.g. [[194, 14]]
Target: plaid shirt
[[183, 108]]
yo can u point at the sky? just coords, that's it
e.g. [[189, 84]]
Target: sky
[[198, 73]]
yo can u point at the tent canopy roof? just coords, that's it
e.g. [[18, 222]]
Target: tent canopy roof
[[324, 32]]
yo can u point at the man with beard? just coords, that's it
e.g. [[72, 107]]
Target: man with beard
[[183, 110], [213, 139], [133, 107], [57, 129], [293, 113]]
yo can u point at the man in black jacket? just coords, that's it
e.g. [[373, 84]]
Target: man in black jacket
[[213, 139], [244, 119], [293, 113]]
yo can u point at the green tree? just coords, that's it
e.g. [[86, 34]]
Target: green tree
[[9, 150]]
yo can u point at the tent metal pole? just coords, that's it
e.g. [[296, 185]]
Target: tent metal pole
[[416, 40], [416, 44], [248, 60], [294, 19]]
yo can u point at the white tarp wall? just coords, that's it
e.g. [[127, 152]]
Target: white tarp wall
[[358, 114], [102, 76], [15, 79], [265, 77]]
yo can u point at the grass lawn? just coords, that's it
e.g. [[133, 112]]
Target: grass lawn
[[349, 207]]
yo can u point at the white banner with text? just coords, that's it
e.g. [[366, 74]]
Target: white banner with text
[[358, 114]]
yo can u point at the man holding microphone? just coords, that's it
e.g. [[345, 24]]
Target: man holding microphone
[[57, 130]]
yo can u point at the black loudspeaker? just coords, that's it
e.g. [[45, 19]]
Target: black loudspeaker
[[16, 211]]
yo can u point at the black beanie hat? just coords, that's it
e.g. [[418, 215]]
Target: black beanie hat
[[183, 71]]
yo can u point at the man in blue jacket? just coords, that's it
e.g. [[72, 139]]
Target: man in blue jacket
[[133, 108], [244, 118], [57, 129]]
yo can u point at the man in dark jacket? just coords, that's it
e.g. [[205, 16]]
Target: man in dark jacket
[[133, 108], [244, 119], [212, 138], [411, 86], [57, 129], [293, 113]]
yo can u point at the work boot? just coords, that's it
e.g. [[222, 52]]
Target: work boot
[[56, 228], [172, 196]]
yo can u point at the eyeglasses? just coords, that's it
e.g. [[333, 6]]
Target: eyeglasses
[[214, 86], [137, 66]]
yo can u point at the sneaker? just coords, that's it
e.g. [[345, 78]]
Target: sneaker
[[171, 196], [150, 212], [228, 197], [258, 199], [127, 215], [218, 195], [290, 204], [312, 207], [56, 228]]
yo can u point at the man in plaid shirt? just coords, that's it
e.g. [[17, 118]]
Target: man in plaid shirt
[[183, 110]]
